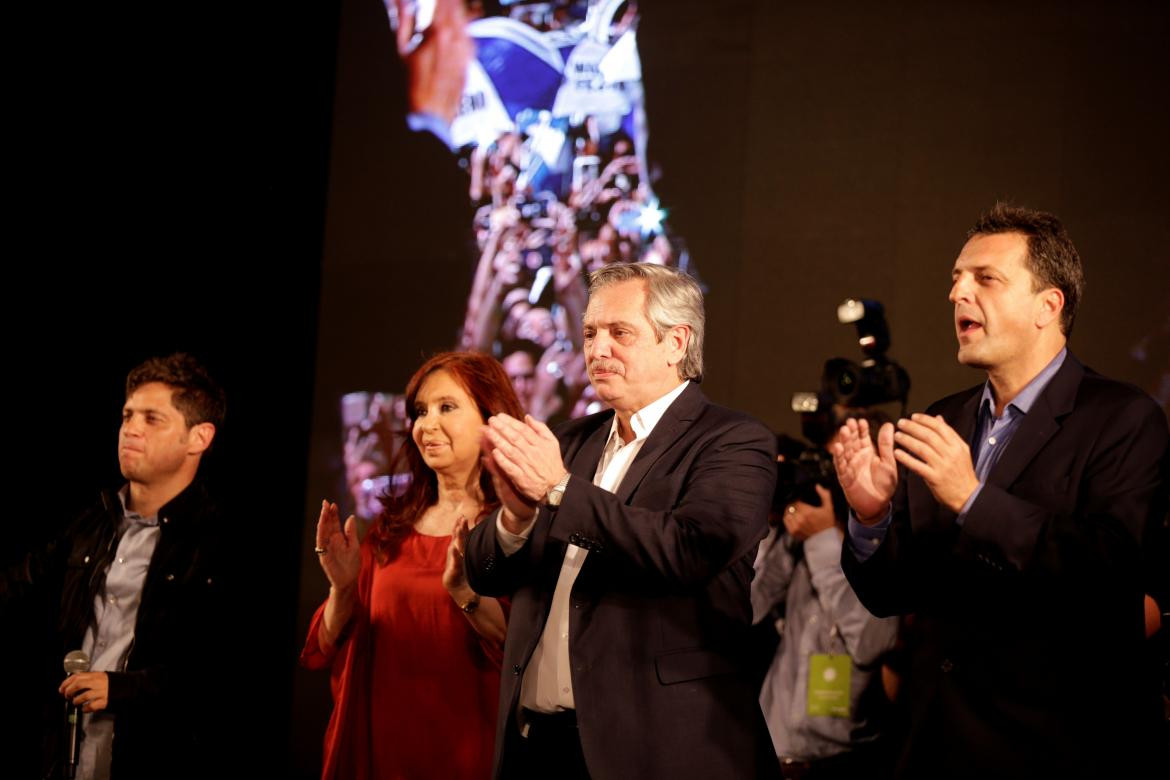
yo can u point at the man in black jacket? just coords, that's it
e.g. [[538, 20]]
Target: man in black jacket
[[136, 578], [626, 543], [1014, 530]]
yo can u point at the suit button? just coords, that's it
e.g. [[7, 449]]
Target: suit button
[[946, 665], [516, 670]]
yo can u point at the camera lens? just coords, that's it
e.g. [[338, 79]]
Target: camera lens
[[846, 383]]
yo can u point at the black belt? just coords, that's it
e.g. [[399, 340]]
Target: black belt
[[564, 720]]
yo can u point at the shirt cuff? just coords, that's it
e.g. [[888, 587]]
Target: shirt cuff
[[510, 542], [426, 122], [864, 539], [970, 502]]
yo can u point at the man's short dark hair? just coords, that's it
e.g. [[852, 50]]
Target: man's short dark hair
[[194, 393], [1052, 259]]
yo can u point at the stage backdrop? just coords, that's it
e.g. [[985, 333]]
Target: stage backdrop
[[791, 154]]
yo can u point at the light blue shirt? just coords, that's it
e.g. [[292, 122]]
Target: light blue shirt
[[992, 436], [110, 637]]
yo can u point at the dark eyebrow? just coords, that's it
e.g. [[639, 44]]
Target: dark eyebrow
[[145, 410]]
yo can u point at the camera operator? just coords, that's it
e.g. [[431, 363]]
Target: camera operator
[[822, 695]]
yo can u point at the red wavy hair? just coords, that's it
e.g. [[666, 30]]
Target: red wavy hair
[[483, 378]]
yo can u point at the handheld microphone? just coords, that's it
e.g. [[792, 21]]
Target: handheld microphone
[[75, 661]]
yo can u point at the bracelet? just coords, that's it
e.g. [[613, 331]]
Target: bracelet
[[471, 605]]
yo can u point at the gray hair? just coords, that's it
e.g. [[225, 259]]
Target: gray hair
[[673, 298]]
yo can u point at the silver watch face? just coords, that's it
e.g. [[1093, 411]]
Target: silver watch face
[[556, 492]]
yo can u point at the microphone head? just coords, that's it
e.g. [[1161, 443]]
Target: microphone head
[[76, 661]]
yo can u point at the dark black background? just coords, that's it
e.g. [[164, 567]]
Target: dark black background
[[166, 166]]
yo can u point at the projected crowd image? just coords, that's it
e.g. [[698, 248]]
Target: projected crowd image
[[551, 131]]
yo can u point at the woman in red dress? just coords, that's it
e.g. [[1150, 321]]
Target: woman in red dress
[[415, 653]]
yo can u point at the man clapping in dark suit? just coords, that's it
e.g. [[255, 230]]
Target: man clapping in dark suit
[[626, 543], [1009, 518]]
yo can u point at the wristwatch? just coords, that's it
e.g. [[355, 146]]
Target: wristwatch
[[471, 605], [553, 497]]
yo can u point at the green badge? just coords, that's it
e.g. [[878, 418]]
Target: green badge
[[828, 685]]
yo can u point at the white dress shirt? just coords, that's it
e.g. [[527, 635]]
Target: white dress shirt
[[547, 685]]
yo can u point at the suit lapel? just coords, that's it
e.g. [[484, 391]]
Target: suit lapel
[[583, 463], [1040, 424], [670, 428]]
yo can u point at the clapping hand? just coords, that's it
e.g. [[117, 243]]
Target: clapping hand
[[338, 549], [524, 459], [527, 453], [868, 476], [936, 452], [454, 575]]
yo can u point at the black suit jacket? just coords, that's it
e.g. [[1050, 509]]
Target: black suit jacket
[[1028, 630], [660, 610]]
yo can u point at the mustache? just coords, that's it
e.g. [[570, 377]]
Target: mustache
[[611, 366]]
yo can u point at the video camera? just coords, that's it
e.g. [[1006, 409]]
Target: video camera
[[848, 385], [801, 469], [848, 389]]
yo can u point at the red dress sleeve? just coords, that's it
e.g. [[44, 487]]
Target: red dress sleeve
[[346, 751]]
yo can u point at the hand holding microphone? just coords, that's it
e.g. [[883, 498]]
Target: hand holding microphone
[[76, 662], [88, 690]]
